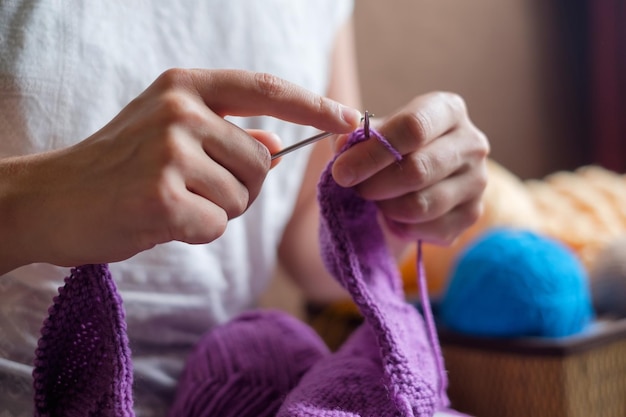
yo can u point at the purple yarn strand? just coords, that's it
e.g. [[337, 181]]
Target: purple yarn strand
[[430, 323], [360, 136], [261, 363]]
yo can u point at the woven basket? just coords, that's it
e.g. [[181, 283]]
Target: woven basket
[[582, 376]]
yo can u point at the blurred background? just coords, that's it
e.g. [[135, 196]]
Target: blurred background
[[543, 79], [525, 67], [546, 81]]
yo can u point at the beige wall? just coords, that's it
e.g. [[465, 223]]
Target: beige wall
[[504, 57]]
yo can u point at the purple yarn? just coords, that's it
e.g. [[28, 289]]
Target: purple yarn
[[246, 367], [354, 251], [82, 362], [262, 363], [361, 135]]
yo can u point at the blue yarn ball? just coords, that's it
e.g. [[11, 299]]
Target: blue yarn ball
[[515, 283]]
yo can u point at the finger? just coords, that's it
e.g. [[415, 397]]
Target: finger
[[177, 214], [213, 182], [246, 158], [442, 230], [425, 119], [227, 166], [270, 140], [434, 201], [198, 220], [246, 93], [418, 170]]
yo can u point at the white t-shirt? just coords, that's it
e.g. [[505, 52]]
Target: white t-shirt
[[66, 69]]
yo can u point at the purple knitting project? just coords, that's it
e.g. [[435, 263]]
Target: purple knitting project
[[82, 362], [391, 365], [261, 363]]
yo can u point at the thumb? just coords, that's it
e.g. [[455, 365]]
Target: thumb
[[269, 139]]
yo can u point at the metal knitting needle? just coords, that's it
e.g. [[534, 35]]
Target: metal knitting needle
[[319, 136], [302, 143], [366, 124]]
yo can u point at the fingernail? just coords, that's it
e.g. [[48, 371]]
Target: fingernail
[[351, 116], [278, 141]]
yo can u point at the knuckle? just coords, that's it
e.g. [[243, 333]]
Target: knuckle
[[176, 107], [145, 239], [455, 103], [238, 203], [258, 163], [322, 104], [171, 78], [483, 143], [170, 150], [419, 125], [218, 227], [420, 206], [206, 230], [159, 201], [269, 85], [255, 180], [262, 158], [165, 198], [420, 170], [471, 213]]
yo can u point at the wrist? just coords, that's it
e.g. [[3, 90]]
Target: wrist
[[16, 247]]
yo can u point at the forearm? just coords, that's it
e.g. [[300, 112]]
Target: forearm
[[299, 251], [13, 194], [300, 257], [433, 194]]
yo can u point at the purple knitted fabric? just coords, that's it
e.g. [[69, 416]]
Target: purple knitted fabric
[[391, 366], [262, 363], [82, 362], [247, 367]]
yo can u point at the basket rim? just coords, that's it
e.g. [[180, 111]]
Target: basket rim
[[600, 333]]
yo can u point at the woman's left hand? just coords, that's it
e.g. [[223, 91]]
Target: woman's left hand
[[435, 191]]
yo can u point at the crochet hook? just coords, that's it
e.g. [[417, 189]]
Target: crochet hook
[[318, 137]]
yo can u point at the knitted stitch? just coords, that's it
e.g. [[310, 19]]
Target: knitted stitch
[[349, 383], [82, 362], [246, 367], [390, 366]]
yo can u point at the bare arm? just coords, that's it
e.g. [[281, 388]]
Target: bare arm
[[299, 251], [433, 194], [167, 167]]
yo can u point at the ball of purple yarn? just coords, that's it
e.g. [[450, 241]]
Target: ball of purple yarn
[[511, 283]]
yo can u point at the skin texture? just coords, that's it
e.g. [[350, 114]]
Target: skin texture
[[167, 167], [433, 194]]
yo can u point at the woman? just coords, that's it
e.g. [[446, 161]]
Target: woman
[[177, 190]]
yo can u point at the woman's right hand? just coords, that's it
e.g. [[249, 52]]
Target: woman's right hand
[[167, 167]]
